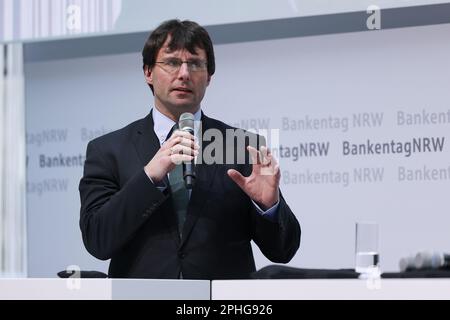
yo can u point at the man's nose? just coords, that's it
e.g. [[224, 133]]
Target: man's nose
[[184, 73]]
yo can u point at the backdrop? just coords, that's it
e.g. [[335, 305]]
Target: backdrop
[[363, 123]]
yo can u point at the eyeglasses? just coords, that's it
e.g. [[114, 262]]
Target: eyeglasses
[[172, 65]]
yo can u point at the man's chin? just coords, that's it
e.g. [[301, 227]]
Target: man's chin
[[185, 107]]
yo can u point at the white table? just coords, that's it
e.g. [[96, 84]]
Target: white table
[[290, 289], [103, 289], [326, 289]]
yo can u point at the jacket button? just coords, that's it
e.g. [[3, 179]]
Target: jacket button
[[146, 213], [182, 255]]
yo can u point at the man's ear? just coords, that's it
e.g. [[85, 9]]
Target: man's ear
[[148, 74], [209, 80]]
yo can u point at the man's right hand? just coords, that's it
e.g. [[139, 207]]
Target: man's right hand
[[180, 147]]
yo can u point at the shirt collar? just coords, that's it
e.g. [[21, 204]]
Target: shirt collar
[[162, 124]]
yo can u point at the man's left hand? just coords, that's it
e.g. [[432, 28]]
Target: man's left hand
[[262, 185]]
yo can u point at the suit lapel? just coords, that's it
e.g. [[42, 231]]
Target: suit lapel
[[147, 144], [205, 176], [145, 140]]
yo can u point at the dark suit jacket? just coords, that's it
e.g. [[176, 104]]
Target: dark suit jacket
[[126, 218]]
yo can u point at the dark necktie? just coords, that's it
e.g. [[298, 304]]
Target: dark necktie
[[180, 195]]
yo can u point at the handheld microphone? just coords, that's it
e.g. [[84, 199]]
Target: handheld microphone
[[186, 123]]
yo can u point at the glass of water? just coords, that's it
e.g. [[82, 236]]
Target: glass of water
[[366, 248]]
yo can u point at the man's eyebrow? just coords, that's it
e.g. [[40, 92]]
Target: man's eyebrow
[[167, 51], [171, 55]]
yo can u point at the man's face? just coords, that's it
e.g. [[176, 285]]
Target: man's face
[[182, 90]]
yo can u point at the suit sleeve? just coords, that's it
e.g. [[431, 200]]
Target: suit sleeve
[[280, 240], [110, 214]]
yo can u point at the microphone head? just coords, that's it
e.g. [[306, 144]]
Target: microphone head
[[437, 260], [406, 263], [428, 259], [186, 122], [423, 259]]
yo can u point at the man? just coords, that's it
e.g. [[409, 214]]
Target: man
[[135, 213]]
